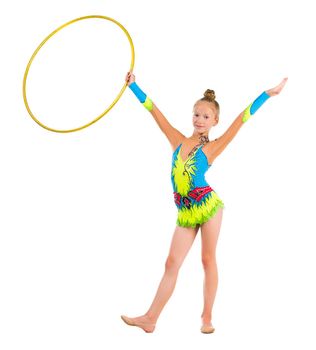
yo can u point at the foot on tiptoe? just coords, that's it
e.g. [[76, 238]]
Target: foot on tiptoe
[[144, 322]]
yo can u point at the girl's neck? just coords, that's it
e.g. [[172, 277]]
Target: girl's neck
[[200, 137]]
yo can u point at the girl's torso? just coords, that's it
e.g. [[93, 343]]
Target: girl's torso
[[188, 172]]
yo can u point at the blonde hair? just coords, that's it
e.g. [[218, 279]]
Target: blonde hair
[[209, 95]]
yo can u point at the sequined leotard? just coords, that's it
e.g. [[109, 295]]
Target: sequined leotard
[[196, 201]]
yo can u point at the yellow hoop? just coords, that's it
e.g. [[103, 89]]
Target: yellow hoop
[[44, 41]]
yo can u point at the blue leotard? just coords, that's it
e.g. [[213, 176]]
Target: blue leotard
[[196, 201]]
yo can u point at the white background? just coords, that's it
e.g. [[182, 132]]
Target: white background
[[87, 217]]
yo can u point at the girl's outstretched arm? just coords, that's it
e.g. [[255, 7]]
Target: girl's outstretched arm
[[221, 142], [173, 135]]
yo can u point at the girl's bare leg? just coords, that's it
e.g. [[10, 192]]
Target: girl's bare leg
[[209, 236], [181, 243]]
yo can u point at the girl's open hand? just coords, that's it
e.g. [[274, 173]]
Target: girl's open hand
[[130, 78], [276, 90]]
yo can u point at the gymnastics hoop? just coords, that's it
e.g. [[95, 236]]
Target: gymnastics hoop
[[39, 47]]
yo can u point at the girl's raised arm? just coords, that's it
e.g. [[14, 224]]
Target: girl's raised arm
[[173, 135], [221, 142]]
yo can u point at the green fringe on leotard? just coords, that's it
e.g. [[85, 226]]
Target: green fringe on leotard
[[199, 214]]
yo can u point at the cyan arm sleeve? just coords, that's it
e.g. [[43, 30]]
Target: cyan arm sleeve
[[254, 106], [142, 97]]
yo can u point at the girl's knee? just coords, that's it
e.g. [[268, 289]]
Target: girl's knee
[[208, 260], [172, 263]]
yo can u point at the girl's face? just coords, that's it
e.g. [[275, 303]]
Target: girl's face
[[204, 116]]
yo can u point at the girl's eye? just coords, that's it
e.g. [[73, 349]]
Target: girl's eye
[[205, 116]]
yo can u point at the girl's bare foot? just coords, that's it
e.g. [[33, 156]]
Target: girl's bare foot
[[144, 322]]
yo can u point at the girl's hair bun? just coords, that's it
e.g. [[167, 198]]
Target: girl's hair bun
[[209, 95]]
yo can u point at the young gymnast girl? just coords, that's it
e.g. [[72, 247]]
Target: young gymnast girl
[[198, 204]]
